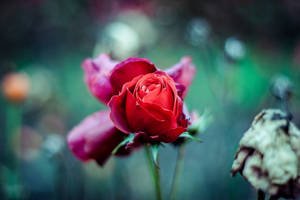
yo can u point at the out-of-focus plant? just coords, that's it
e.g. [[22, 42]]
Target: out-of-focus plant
[[15, 89], [198, 32]]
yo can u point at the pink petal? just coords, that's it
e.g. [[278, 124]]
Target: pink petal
[[129, 69], [183, 72], [95, 138], [97, 73]]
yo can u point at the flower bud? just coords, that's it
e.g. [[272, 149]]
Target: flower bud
[[268, 155], [15, 87]]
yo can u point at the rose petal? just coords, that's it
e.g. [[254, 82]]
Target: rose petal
[[158, 112], [183, 72], [176, 126], [129, 69], [97, 73], [180, 90], [117, 106], [117, 114], [140, 119], [95, 138], [163, 99], [163, 96], [182, 115]]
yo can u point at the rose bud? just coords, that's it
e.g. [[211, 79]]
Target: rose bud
[[148, 101], [15, 87], [95, 138], [268, 155]]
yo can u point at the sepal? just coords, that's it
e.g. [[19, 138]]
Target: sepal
[[190, 136], [154, 152], [128, 139]]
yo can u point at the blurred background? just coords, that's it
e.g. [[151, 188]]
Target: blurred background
[[240, 47]]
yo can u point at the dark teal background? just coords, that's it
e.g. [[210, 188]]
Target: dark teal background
[[49, 39]]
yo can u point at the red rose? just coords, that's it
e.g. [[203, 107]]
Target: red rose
[[150, 104], [143, 100]]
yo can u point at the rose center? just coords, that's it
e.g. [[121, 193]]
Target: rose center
[[149, 88], [155, 90]]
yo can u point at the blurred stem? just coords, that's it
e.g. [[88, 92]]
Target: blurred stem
[[260, 195], [13, 127], [154, 170], [179, 164], [13, 122]]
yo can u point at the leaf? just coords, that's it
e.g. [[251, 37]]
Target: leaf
[[128, 139], [154, 151], [189, 136]]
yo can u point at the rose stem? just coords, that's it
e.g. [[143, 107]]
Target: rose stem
[[179, 164], [154, 169], [260, 195]]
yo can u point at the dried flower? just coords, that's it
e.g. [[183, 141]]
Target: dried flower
[[268, 155]]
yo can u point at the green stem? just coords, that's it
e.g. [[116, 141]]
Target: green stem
[[154, 169], [179, 164]]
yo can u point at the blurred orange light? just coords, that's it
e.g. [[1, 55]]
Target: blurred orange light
[[15, 87]]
